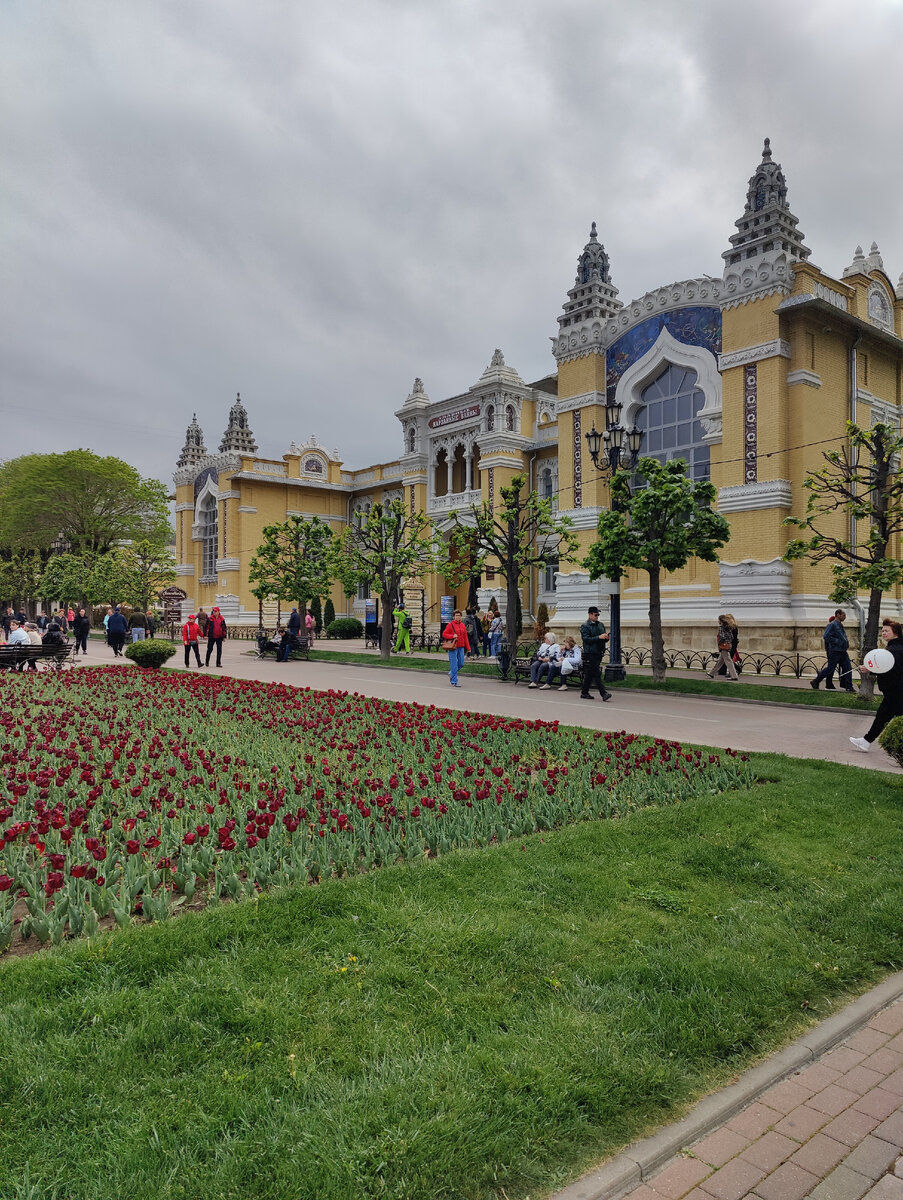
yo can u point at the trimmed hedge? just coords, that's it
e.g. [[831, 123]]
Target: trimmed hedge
[[151, 653], [345, 627]]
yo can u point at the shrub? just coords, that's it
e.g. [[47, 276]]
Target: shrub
[[345, 627], [541, 628], [152, 652], [328, 613], [891, 738]]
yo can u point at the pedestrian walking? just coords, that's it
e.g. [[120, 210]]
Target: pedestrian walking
[[138, 625], [403, 625], [890, 684], [191, 632], [724, 640], [216, 633], [594, 637], [81, 627], [837, 646], [495, 635], [117, 627], [455, 641]]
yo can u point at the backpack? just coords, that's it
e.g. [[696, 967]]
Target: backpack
[[407, 623]]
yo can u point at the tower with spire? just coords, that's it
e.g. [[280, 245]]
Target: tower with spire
[[593, 296], [238, 437], [194, 449]]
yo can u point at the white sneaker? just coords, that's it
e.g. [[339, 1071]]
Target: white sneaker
[[532, 685], [861, 744], [563, 688], [545, 687]]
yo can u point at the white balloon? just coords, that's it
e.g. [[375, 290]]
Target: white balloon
[[878, 661]]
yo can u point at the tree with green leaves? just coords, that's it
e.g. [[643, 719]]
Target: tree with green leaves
[[383, 548], [87, 502], [853, 513], [66, 578], [149, 567], [656, 528], [294, 561], [522, 533], [20, 575]]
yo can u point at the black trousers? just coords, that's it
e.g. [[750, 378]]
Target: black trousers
[[189, 646], [81, 643], [117, 641], [592, 674], [890, 707], [211, 642]]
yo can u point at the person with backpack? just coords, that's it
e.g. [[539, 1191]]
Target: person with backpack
[[403, 626], [191, 633], [216, 633]]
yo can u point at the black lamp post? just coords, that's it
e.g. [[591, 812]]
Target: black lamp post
[[621, 449]]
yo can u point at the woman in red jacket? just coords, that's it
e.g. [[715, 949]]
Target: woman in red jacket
[[191, 631], [454, 637]]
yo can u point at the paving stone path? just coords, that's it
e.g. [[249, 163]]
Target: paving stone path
[[833, 1131]]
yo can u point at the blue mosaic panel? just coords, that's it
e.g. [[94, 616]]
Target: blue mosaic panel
[[693, 326]]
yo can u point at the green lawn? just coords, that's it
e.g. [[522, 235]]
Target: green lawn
[[780, 692], [483, 1025]]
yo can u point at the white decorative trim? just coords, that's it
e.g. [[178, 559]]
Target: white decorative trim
[[582, 518], [185, 568], [230, 495], [823, 292], [809, 378], [227, 461], [574, 593], [452, 501], [246, 508], [671, 587], [738, 358], [266, 468], [667, 349], [510, 459], [228, 564], [766, 274], [584, 400], [189, 507], [746, 497], [750, 586]]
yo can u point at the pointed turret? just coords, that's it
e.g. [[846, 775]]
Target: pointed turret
[[238, 436], [593, 294], [767, 228], [194, 448]]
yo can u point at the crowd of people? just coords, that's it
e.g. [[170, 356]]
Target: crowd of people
[[56, 628]]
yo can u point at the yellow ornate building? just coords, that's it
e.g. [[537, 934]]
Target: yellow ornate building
[[749, 376]]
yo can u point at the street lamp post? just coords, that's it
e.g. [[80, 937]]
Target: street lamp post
[[621, 449]]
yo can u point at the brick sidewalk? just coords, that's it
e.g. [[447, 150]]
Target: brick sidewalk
[[833, 1131]]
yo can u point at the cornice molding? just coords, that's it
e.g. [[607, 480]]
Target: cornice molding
[[584, 400], [746, 497], [779, 348], [808, 378]]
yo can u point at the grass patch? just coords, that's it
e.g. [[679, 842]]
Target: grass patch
[[482, 1025], [778, 692]]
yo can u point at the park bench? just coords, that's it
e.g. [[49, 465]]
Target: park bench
[[265, 646], [520, 669], [20, 658]]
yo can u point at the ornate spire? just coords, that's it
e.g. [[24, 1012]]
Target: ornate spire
[[238, 436], [194, 448], [767, 229], [593, 294]]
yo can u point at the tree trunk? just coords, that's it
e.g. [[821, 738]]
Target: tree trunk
[[385, 641], [655, 625], [870, 641], [511, 614]]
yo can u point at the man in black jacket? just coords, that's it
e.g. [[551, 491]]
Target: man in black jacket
[[594, 637], [837, 645]]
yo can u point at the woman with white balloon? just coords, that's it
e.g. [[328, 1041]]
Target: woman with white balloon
[[887, 665]]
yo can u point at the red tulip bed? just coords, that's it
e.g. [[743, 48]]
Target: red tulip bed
[[127, 793]]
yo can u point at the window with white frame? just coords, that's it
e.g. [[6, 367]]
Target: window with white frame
[[547, 575], [209, 529], [669, 418]]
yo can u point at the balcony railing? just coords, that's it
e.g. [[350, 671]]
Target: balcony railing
[[453, 501]]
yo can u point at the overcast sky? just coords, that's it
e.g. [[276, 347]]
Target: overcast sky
[[313, 202]]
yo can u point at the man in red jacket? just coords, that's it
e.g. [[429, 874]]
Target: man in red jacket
[[191, 631], [216, 632]]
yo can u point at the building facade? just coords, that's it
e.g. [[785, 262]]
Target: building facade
[[749, 376]]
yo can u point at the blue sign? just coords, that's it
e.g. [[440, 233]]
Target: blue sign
[[446, 609]]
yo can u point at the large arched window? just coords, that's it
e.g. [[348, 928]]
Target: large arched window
[[209, 536], [669, 418]]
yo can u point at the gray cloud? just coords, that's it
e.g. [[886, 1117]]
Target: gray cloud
[[313, 203]]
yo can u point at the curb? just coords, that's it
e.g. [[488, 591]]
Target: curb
[[645, 1157]]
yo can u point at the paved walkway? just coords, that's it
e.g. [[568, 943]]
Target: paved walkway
[[831, 1131], [801, 732]]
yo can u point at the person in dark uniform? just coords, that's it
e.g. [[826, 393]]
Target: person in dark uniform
[[594, 637]]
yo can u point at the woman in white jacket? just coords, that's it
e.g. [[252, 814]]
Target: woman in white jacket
[[571, 658]]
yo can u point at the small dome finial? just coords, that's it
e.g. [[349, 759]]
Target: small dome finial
[[593, 236], [766, 149]]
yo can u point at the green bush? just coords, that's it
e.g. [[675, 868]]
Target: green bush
[[328, 612], [891, 738], [152, 652], [345, 627]]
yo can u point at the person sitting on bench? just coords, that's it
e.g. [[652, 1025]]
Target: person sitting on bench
[[546, 660]]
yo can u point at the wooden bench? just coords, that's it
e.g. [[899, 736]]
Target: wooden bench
[[20, 658], [265, 646]]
